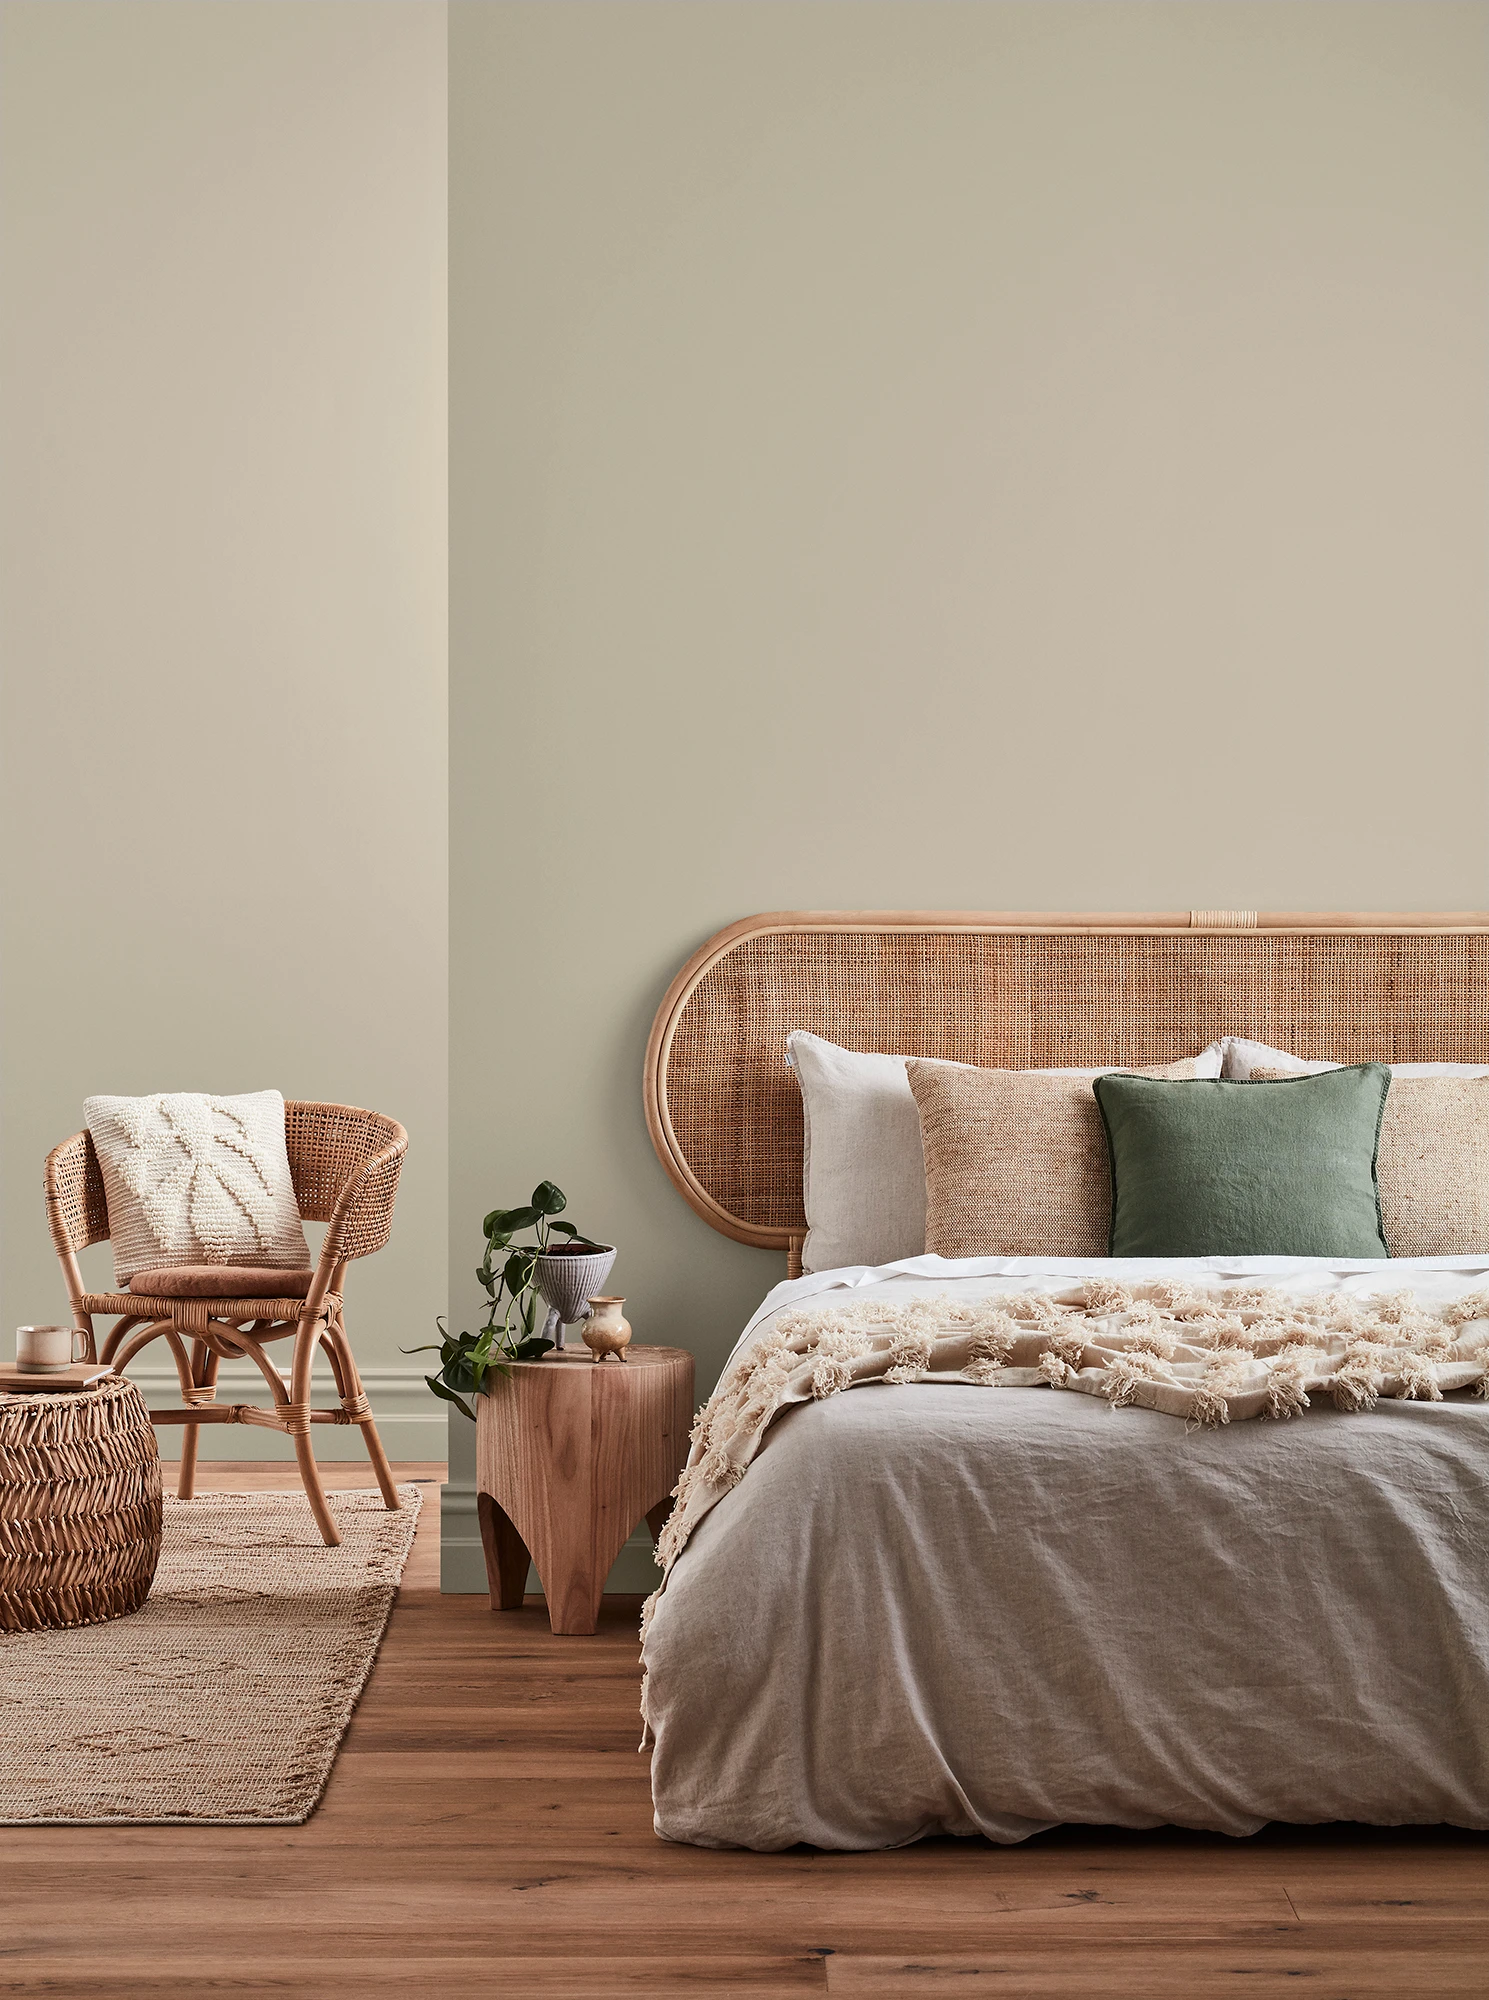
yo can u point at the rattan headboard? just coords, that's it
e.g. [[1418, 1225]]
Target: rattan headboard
[[1024, 991]]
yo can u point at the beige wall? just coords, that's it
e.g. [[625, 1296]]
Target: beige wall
[[967, 456], [224, 600], [960, 455]]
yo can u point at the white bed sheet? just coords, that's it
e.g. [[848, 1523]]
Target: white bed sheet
[[934, 1608]]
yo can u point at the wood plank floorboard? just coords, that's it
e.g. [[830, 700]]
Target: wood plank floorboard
[[487, 1830]]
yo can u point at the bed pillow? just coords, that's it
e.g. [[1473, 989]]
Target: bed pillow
[[1015, 1159], [1242, 1059], [193, 1179], [1253, 1169], [1433, 1164], [862, 1175], [863, 1168]]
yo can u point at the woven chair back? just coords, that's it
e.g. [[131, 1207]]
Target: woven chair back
[[328, 1147]]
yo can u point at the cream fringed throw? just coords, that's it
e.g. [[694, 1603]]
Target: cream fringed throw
[[1207, 1358]]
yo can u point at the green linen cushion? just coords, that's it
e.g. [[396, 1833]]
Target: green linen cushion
[[1232, 1169]]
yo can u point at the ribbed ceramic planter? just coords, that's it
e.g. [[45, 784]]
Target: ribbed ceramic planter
[[568, 1280]]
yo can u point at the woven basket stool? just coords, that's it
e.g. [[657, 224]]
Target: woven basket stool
[[79, 1506]]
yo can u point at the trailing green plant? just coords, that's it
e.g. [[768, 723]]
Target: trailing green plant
[[467, 1361]]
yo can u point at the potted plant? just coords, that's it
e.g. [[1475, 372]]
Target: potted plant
[[563, 1273]]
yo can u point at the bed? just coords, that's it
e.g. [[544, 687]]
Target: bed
[[929, 1608]]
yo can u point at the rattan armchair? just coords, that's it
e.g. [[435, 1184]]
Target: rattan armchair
[[345, 1165]]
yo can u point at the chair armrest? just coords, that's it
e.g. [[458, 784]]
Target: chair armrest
[[362, 1220]]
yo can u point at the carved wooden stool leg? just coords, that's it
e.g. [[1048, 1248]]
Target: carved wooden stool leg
[[506, 1553]]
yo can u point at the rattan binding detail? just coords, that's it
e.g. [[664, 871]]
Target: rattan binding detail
[[1024, 991]]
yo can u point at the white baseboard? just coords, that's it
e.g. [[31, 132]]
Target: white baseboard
[[462, 1566], [410, 1421]]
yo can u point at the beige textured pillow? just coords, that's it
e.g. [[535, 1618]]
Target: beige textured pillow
[[193, 1179], [1015, 1160], [1432, 1165]]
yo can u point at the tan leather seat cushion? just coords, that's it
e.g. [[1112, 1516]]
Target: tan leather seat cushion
[[220, 1281]]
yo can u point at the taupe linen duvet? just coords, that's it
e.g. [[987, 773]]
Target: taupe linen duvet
[[940, 1608]]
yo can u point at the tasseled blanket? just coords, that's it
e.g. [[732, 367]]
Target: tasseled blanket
[[1206, 1358]]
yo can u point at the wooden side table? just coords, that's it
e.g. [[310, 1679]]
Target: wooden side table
[[570, 1454]]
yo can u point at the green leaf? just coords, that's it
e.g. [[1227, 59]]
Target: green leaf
[[449, 1396], [529, 1350], [548, 1199], [562, 1229], [447, 1343], [518, 1270], [508, 1221]]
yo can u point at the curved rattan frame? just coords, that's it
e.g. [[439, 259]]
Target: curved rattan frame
[[345, 1163], [1386, 1013]]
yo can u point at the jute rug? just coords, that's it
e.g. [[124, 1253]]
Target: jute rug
[[225, 1698]]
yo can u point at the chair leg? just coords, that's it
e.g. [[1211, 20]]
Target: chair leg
[[380, 1465], [349, 1382], [315, 1493], [186, 1477], [306, 1337], [203, 1374]]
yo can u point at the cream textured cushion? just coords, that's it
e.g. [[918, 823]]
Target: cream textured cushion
[[192, 1179], [1241, 1059], [1432, 1162], [1016, 1161]]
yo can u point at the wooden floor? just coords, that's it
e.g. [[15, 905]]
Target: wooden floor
[[487, 1831]]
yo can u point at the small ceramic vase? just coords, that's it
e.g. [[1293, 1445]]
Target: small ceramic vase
[[607, 1330]]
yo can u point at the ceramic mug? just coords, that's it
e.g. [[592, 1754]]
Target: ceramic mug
[[39, 1349]]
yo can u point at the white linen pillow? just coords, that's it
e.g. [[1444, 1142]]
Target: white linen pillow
[[194, 1179], [1241, 1057], [863, 1166]]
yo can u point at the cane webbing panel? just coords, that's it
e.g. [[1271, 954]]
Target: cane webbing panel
[[726, 1114]]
